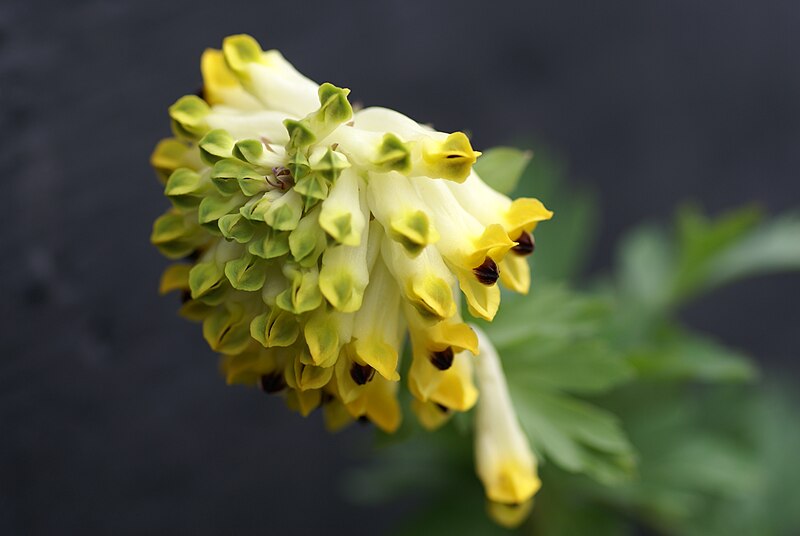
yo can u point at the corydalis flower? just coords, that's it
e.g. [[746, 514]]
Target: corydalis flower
[[504, 460], [318, 238]]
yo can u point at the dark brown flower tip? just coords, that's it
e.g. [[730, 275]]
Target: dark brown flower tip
[[488, 272], [442, 360], [442, 407], [525, 244], [272, 383], [361, 374]]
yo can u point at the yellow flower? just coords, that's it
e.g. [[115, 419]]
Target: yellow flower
[[504, 460], [319, 240]]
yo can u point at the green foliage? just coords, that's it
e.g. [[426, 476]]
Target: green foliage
[[716, 461], [636, 419], [646, 270], [551, 348], [771, 247], [563, 245], [662, 271], [502, 167], [577, 436], [701, 242], [678, 355]]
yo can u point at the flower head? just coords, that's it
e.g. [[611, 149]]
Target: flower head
[[320, 239]]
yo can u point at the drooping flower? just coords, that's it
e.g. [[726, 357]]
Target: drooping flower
[[319, 240], [504, 460]]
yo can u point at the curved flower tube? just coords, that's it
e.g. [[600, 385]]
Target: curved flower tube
[[504, 460]]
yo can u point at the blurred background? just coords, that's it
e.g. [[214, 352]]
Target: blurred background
[[112, 413]]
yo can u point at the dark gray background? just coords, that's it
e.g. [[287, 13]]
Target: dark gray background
[[112, 415]]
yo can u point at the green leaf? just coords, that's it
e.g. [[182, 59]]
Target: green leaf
[[502, 167], [436, 469], [563, 245], [575, 435], [583, 367], [657, 273], [771, 247], [557, 348], [646, 268], [706, 462], [559, 510], [461, 511], [701, 240], [770, 417], [696, 455], [551, 312], [679, 356]]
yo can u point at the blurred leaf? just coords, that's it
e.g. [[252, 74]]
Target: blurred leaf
[[564, 243], [435, 469], [551, 312], [691, 454], [773, 246], [421, 464], [769, 416], [460, 511], [501, 167], [557, 345], [646, 268], [561, 510], [582, 367], [656, 272], [679, 356], [708, 463], [556, 348], [701, 240], [575, 435]]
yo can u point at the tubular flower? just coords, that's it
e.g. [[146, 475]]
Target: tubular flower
[[503, 457], [318, 239]]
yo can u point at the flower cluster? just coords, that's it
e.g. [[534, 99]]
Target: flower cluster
[[318, 238]]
